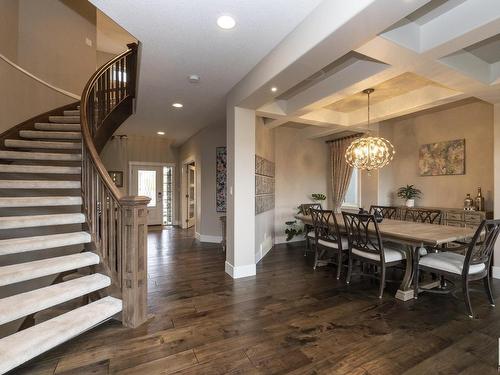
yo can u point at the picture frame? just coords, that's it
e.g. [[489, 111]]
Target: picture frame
[[117, 177]]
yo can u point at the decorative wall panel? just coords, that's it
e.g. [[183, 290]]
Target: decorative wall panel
[[220, 178], [264, 185]]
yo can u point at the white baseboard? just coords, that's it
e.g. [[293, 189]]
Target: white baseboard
[[496, 272], [240, 271], [282, 239], [207, 238]]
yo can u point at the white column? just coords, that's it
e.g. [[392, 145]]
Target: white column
[[496, 183], [240, 252]]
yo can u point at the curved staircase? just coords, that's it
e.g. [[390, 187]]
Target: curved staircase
[[41, 210]]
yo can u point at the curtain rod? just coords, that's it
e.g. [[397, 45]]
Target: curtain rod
[[346, 137]]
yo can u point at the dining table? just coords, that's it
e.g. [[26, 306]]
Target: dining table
[[412, 236]]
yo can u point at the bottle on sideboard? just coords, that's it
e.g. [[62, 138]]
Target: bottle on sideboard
[[479, 200], [469, 203]]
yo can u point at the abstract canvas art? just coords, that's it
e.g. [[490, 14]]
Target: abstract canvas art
[[443, 158], [264, 184], [220, 178]]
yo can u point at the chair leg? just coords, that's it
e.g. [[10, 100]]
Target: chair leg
[[308, 245], [339, 263], [349, 270], [465, 289], [382, 282], [487, 286], [316, 256]]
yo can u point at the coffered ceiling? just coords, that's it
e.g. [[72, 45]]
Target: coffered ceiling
[[419, 62]]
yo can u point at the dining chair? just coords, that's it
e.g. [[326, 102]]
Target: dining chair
[[365, 244], [423, 215], [474, 265], [305, 209], [387, 212], [327, 237]]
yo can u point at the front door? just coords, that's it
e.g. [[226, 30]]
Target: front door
[[147, 181], [191, 195]]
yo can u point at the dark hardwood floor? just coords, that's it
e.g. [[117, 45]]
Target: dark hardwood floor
[[288, 319]]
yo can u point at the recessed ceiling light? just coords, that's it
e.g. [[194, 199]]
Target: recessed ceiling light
[[160, 133], [274, 89], [177, 105], [226, 22]]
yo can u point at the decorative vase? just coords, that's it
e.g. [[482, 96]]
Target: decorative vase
[[469, 203], [410, 203]]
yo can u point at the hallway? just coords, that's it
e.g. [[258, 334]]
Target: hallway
[[287, 319]]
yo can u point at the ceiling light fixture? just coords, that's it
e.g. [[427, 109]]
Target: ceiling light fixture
[[178, 105], [226, 22], [369, 153], [160, 133], [274, 89]]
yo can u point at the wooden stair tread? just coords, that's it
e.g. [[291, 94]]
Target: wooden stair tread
[[39, 156], [47, 134], [65, 119], [39, 184], [11, 222], [52, 126], [23, 304], [32, 270], [50, 145], [50, 169], [29, 343], [25, 244]]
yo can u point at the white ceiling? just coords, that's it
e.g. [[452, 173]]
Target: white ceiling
[[180, 38], [435, 54]]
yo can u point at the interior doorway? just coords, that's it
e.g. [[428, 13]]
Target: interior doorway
[[188, 194], [156, 181]]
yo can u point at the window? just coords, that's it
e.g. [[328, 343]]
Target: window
[[168, 195], [352, 196]]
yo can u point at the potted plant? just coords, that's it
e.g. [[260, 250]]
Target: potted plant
[[293, 229], [409, 193], [318, 197]]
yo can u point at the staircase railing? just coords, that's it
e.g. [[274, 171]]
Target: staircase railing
[[117, 223]]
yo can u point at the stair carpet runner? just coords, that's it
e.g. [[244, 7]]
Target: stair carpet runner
[[52, 152]]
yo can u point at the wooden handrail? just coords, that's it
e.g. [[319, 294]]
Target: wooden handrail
[[34, 77], [117, 223]]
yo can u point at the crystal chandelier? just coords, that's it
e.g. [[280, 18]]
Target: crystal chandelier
[[369, 153]]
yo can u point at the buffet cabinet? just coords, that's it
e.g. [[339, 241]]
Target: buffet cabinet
[[458, 217]]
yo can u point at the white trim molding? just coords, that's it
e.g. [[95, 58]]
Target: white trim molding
[[496, 272], [207, 238], [240, 271]]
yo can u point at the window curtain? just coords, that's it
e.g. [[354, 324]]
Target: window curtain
[[341, 171]]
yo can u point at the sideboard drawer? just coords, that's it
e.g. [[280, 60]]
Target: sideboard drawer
[[455, 223], [450, 215], [473, 217]]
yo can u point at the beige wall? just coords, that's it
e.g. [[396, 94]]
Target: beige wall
[[265, 141], [301, 169], [201, 148], [118, 152], [9, 19], [104, 57], [51, 41], [472, 121]]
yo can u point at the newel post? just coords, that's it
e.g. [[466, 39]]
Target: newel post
[[134, 260]]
